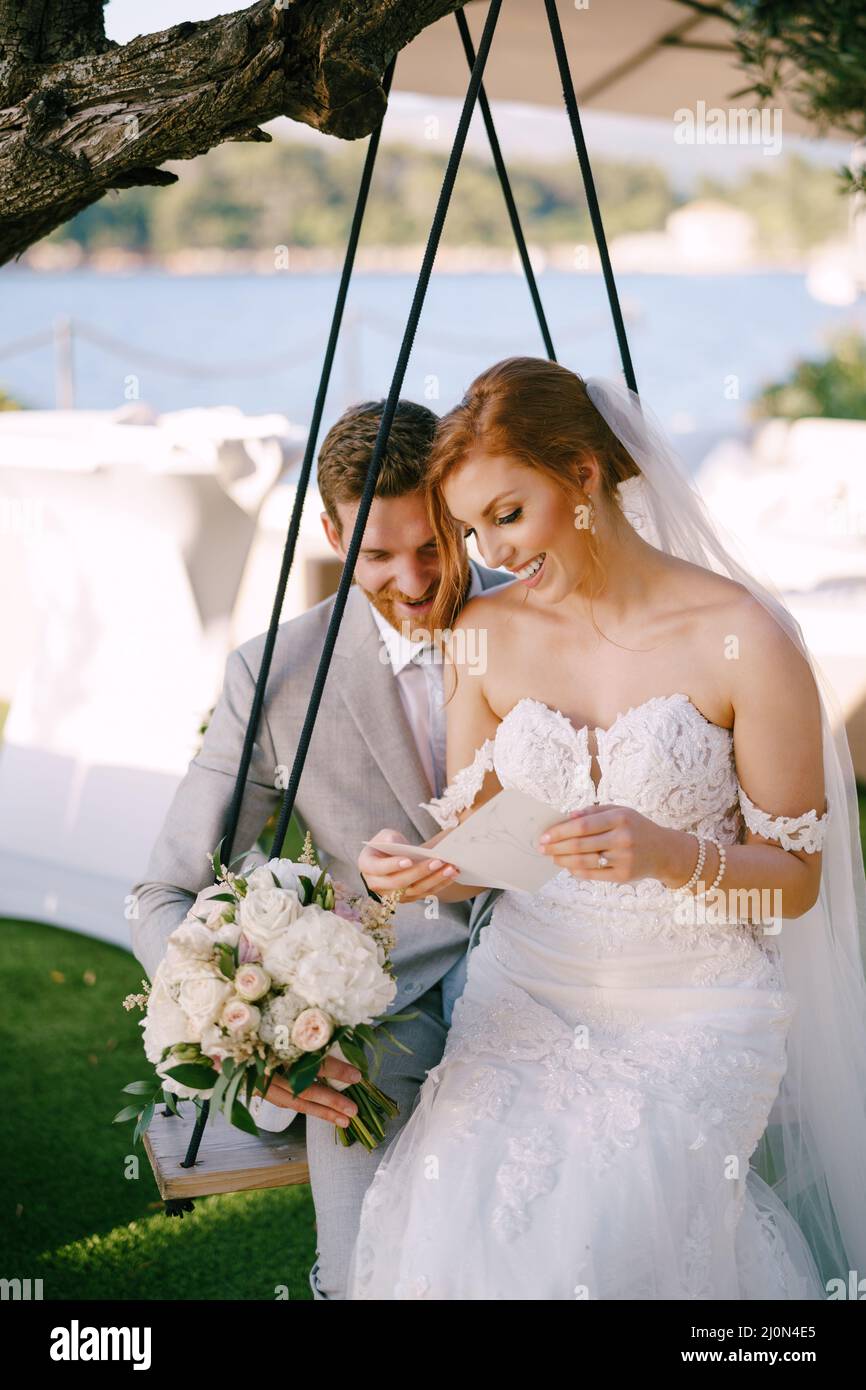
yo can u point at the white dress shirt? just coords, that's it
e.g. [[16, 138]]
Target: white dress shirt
[[418, 673]]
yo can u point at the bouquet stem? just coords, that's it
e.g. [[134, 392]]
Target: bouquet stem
[[374, 1108]]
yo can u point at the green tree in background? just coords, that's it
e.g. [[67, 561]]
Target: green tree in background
[[813, 51], [261, 196], [795, 205], [833, 387]]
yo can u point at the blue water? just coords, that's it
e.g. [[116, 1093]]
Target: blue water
[[689, 336]]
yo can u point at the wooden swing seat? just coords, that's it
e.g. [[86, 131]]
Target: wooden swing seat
[[228, 1160]]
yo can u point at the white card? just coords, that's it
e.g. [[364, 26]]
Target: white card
[[497, 845]]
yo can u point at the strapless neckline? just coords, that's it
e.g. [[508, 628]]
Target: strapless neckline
[[624, 714], [663, 757], [581, 731]]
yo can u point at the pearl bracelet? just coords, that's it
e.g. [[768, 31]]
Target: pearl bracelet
[[720, 875], [702, 854]]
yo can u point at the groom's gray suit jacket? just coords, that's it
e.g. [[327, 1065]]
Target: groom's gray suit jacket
[[362, 773]]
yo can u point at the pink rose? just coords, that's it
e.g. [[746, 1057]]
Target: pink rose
[[312, 1029], [240, 1017], [251, 982]]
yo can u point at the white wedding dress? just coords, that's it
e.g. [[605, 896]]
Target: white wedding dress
[[611, 1064]]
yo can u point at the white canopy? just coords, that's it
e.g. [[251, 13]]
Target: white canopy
[[636, 57]]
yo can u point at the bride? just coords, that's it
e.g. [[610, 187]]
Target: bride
[[653, 1086]]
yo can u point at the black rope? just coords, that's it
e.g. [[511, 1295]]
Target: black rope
[[506, 189], [234, 810], [304, 475], [591, 196], [385, 426], [301, 488], [475, 92], [306, 468], [197, 1132]]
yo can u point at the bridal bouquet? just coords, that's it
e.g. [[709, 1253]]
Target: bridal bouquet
[[283, 968]]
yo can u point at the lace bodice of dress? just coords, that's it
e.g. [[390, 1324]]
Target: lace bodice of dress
[[663, 758]]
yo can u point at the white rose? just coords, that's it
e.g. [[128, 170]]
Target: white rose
[[213, 912], [165, 1022], [201, 993], [287, 871], [312, 1030], [191, 938], [240, 1017], [265, 913], [228, 934], [251, 982], [222, 931], [215, 1044]]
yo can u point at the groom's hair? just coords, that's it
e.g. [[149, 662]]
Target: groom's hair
[[347, 448]]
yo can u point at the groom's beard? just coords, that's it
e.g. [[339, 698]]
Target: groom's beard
[[390, 604]]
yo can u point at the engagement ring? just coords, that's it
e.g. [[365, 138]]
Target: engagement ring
[[603, 861]]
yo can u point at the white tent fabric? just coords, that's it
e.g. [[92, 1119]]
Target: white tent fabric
[[635, 57], [124, 546]]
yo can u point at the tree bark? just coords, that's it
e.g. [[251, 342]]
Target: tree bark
[[80, 115]]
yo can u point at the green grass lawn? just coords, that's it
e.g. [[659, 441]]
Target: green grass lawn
[[77, 1212], [82, 1210]]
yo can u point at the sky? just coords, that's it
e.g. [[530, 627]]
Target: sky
[[524, 131]]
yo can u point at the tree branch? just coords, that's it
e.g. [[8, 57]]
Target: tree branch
[[82, 115]]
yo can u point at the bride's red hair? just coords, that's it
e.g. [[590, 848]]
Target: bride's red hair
[[537, 413]]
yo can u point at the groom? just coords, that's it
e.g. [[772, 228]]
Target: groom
[[377, 751]]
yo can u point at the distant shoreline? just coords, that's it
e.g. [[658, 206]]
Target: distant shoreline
[[61, 258]]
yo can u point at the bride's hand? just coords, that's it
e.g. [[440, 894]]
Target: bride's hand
[[419, 878], [634, 846]]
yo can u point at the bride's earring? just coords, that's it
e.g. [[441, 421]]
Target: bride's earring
[[592, 516]]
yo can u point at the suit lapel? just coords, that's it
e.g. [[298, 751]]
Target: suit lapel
[[369, 690]]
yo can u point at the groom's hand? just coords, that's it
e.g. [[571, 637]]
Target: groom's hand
[[317, 1099], [419, 878]]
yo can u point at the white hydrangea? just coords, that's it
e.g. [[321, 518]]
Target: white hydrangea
[[278, 1020], [332, 965]]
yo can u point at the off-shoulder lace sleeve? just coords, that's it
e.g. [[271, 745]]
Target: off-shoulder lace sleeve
[[793, 832], [462, 789]]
